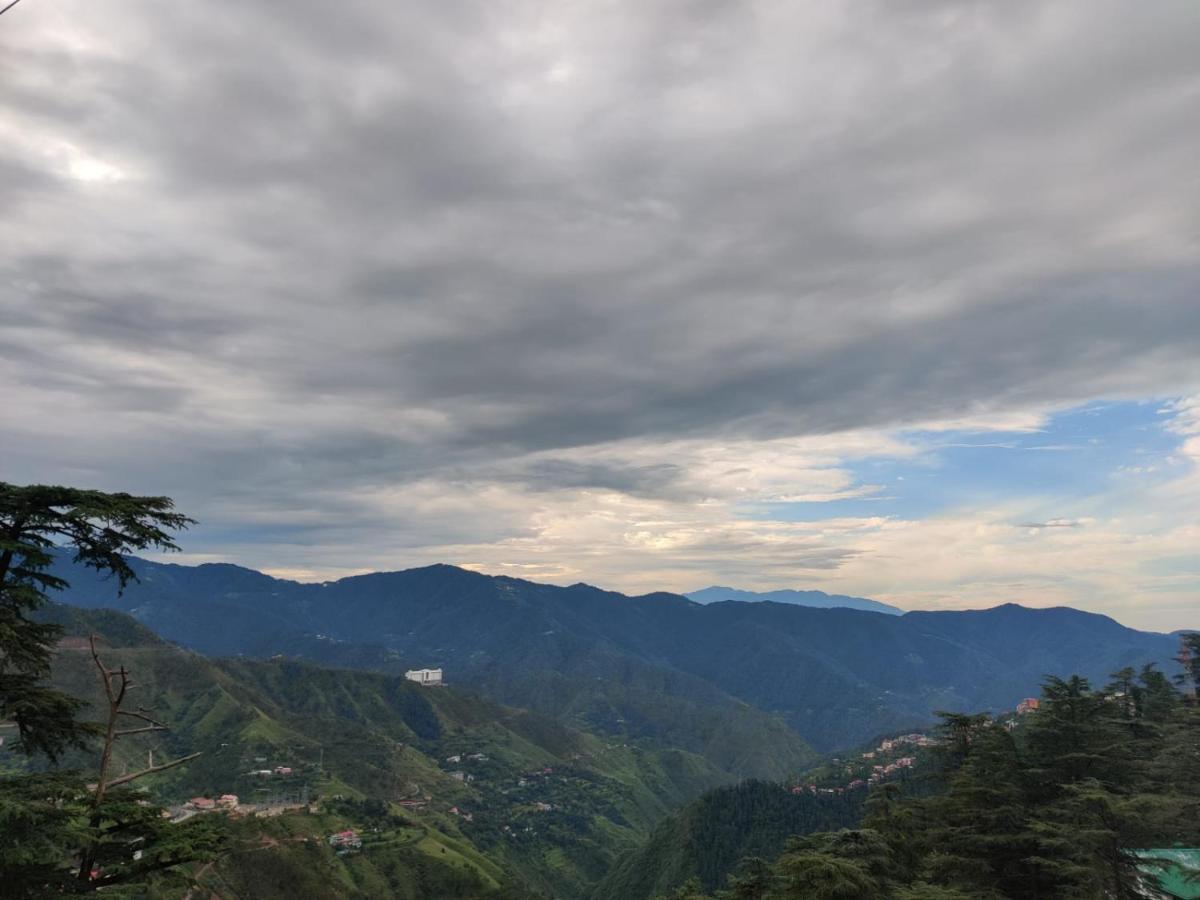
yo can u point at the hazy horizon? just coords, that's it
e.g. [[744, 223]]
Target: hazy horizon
[[307, 578]]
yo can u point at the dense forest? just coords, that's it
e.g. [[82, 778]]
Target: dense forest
[[706, 841], [1091, 795]]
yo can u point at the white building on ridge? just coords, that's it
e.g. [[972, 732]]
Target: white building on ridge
[[427, 677]]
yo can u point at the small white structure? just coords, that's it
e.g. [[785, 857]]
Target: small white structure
[[426, 677]]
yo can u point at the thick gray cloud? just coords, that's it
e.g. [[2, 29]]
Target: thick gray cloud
[[277, 260]]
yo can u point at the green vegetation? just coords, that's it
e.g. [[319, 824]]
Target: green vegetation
[[633, 701], [752, 687], [99, 529], [1057, 804], [62, 835], [706, 841], [289, 857], [541, 806], [361, 784]]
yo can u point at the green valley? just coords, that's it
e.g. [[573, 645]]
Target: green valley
[[514, 798]]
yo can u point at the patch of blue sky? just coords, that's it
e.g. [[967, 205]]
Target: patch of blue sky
[[1077, 455], [1185, 565], [233, 535]]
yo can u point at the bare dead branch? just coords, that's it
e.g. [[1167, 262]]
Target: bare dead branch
[[133, 776], [123, 674], [142, 716], [105, 674]]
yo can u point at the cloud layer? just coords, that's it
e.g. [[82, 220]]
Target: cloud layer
[[592, 290]]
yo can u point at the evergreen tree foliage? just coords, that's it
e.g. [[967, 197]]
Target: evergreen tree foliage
[[754, 818], [1051, 807], [99, 529], [1189, 659], [58, 834]]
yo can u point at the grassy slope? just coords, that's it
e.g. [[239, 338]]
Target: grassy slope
[[366, 735]]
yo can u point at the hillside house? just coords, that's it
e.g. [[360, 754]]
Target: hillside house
[[228, 801], [425, 677], [1028, 705], [202, 803], [345, 840]]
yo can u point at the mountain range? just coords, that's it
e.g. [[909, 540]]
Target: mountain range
[[816, 599], [751, 687]]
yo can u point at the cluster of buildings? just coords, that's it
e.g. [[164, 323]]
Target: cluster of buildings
[[1028, 705], [470, 757], [885, 768], [914, 740], [282, 771], [878, 773], [458, 758], [892, 744], [208, 804]]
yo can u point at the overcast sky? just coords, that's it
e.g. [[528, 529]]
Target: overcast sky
[[899, 299]]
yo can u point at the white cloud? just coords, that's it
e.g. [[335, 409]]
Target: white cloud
[[587, 290]]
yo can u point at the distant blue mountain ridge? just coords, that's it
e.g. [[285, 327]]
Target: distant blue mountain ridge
[[742, 683], [815, 599]]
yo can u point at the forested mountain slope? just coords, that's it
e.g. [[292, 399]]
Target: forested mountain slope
[[538, 804], [1096, 793], [699, 675], [711, 836]]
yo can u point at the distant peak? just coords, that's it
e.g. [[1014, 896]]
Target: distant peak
[[814, 599]]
